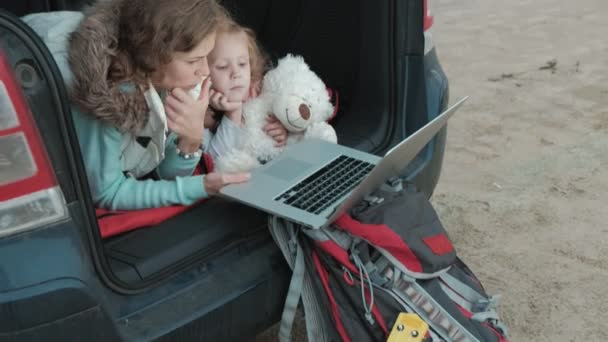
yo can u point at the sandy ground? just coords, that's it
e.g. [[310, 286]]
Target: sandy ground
[[524, 184]]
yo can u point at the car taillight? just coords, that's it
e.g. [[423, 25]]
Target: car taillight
[[427, 23], [428, 15], [29, 194]]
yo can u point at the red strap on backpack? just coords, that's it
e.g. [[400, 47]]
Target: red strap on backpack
[[117, 222], [383, 236]]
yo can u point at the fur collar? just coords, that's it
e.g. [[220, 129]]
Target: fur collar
[[91, 48]]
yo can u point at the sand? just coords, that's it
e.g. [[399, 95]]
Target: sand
[[524, 185]]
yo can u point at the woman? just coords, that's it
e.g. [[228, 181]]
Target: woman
[[134, 62]]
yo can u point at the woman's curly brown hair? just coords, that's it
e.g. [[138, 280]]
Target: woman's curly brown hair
[[151, 31]]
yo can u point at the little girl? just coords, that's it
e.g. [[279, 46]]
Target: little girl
[[237, 65]]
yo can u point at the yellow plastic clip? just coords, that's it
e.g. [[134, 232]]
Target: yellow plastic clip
[[408, 327]]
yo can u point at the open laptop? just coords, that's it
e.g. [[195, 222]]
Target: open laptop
[[314, 181]]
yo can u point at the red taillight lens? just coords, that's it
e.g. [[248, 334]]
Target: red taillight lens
[[29, 195], [428, 15]]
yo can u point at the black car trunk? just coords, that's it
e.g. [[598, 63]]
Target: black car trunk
[[355, 49]]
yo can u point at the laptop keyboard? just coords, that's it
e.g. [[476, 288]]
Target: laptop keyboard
[[319, 190]]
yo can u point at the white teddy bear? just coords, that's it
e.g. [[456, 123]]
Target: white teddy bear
[[297, 97]]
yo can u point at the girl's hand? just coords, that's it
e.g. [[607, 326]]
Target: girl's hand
[[232, 110], [275, 129], [220, 102], [214, 181], [186, 116]]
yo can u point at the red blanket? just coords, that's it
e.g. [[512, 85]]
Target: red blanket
[[117, 222]]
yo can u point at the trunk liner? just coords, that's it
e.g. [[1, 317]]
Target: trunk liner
[[201, 232]]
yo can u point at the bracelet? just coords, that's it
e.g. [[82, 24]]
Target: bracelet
[[196, 154]]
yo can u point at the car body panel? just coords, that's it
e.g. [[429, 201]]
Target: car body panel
[[56, 281]]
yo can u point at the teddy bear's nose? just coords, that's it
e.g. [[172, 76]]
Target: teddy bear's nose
[[304, 111]]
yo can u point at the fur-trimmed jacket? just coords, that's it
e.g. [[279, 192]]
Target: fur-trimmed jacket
[[91, 49]]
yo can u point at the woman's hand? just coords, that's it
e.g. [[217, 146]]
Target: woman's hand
[[214, 181], [186, 116], [275, 129]]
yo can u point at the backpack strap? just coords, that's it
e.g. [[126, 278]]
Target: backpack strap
[[285, 235], [484, 309], [293, 297], [286, 238], [364, 276], [463, 294], [415, 297]]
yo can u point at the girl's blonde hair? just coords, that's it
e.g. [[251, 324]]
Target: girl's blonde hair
[[258, 59], [151, 31]]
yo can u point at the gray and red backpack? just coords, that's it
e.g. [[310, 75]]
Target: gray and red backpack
[[388, 257]]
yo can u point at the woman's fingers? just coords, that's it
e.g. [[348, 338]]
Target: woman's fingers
[[171, 113], [230, 178], [181, 95], [175, 121], [205, 89], [173, 103], [185, 116], [214, 181], [173, 126]]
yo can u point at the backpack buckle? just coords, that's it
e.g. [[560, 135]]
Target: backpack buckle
[[489, 304], [373, 200]]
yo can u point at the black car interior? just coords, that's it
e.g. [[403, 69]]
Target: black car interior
[[349, 44]]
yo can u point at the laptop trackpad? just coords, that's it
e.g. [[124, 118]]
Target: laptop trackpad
[[287, 168]]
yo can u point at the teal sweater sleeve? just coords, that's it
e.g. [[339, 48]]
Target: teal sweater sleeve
[[173, 165], [100, 147]]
